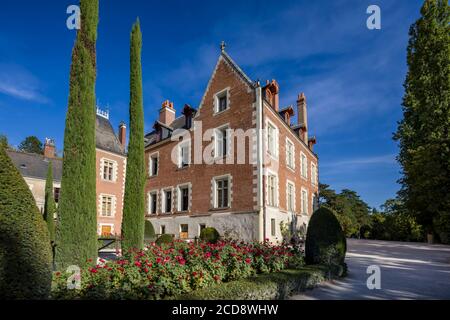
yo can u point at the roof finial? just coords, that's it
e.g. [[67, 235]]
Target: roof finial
[[222, 46]]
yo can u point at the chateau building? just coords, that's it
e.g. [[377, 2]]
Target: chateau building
[[110, 181], [197, 176]]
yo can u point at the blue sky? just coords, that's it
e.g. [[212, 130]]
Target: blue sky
[[352, 76]]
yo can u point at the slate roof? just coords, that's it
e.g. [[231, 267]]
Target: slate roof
[[105, 137], [34, 165]]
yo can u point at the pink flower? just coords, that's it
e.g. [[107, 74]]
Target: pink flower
[[248, 260]]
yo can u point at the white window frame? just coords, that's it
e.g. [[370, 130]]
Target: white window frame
[[150, 164], [163, 200], [217, 97], [273, 153], [314, 176], [218, 143], [179, 197], [290, 184], [113, 205], [150, 206], [114, 164], [181, 146], [303, 165], [290, 160], [271, 203], [304, 201], [229, 191]]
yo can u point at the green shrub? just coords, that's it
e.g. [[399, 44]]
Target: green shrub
[[325, 240], [25, 252], [209, 235], [272, 286], [149, 232], [164, 239]]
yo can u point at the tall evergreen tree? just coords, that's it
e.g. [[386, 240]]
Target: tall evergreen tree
[[133, 208], [423, 134], [25, 253], [77, 214], [31, 144], [49, 205]]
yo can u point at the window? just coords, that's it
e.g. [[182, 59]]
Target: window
[[184, 231], [106, 209], [272, 190], [153, 165], [304, 201], [221, 101], [304, 165], [221, 138], [271, 140], [108, 170], [163, 229], [222, 193], [183, 196], [272, 227], [105, 230], [290, 151], [56, 192], [184, 155], [167, 201], [153, 202], [313, 174], [290, 190]]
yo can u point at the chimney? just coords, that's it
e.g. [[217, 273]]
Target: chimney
[[302, 115], [122, 134], [49, 148], [167, 113], [272, 94]]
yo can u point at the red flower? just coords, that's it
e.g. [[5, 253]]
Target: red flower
[[58, 274], [248, 260], [137, 264], [145, 270], [93, 270]]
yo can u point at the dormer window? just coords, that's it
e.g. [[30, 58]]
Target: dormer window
[[221, 101]]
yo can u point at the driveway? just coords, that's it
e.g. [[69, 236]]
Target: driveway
[[408, 271]]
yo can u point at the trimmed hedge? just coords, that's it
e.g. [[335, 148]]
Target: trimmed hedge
[[25, 252], [163, 239], [325, 240], [270, 286], [209, 235]]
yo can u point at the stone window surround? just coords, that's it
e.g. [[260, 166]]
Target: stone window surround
[[305, 175], [179, 198], [289, 182], [229, 138], [163, 200], [113, 205], [154, 191], [302, 199], [115, 169], [214, 191], [150, 164], [289, 141], [100, 225], [180, 146], [277, 189], [216, 101], [276, 139], [314, 177]]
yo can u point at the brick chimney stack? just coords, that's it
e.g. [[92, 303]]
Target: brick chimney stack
[[302, 115], [49, 148], [122, 134], [272, 94], [167, 113]]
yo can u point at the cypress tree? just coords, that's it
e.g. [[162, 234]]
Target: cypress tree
[[76, 234], [25, 253], [424, 131], [133, 208], [49, 206]]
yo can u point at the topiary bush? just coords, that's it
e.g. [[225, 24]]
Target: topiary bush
[[164, 239], [25, 252], [325, 240], [149, 232], [209, 235]]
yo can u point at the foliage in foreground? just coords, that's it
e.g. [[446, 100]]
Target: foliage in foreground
[[176, 268], [49, 205], [25, 253], [76, 232], [210, 235]]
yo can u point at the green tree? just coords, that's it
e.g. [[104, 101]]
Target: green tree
[[4, 141], [49, 205], [31, 144], [25, 253], [76, 233], [423, 134], [133, 208]]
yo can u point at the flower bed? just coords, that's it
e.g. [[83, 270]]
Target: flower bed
[[176, 268]]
